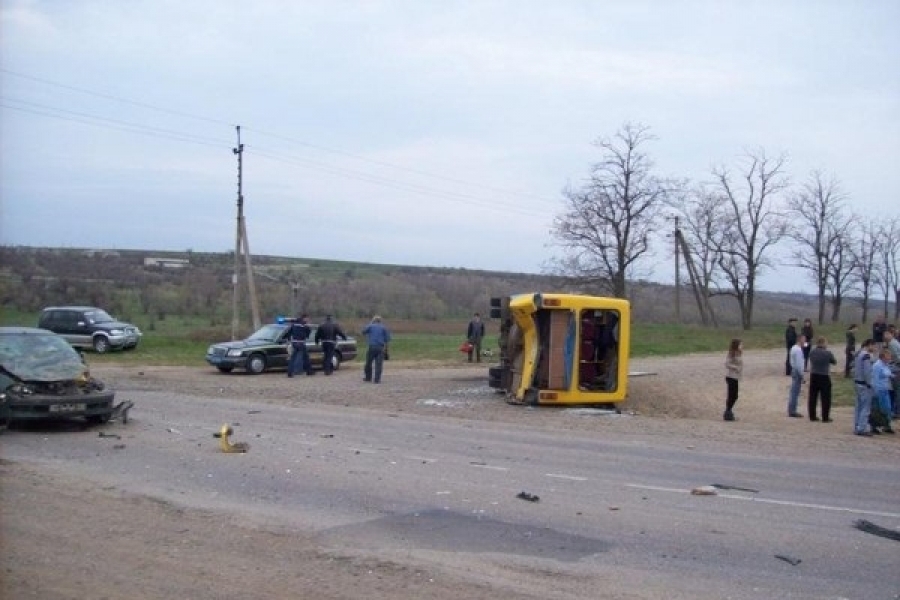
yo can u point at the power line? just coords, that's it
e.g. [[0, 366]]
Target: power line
[[106, 122], [400, 168], [400, 185], [115, 98], [98, 121]]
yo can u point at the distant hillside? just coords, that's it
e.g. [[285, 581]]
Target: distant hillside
[[157, 283]]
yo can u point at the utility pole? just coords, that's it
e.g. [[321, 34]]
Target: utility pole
[[677, 271], [241, 242], [675, 235], [237, 240]]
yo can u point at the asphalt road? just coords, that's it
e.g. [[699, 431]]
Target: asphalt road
[[611, 513]]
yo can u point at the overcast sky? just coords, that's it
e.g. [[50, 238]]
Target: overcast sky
[[422, 132]]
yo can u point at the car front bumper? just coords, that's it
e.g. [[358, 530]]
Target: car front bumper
[[39, 406], [128, 340], [222, 361]]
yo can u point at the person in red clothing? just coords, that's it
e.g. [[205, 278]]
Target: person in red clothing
[[474, 334]]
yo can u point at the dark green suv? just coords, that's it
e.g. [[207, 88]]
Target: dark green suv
[[89, 327]]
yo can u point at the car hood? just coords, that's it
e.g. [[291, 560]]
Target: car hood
[[115, 325], [245, 344], [29, 370]]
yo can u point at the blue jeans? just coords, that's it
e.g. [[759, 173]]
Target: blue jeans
[[299, 360], [374, 357], [796, 382], [884, 403], [863, 408]]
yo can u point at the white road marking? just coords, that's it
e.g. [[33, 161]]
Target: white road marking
[[491, 467], [421, 459], [857, 511], [569, 477]]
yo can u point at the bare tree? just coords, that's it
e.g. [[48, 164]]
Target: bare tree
[[887, 260], [840, 264], [818, 229], [754, 224], [864, 273], [702, 216], [607, 223]]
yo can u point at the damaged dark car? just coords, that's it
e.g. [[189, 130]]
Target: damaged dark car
[[43, 377]]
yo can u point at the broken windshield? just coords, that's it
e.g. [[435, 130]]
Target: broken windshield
[[39, 357]]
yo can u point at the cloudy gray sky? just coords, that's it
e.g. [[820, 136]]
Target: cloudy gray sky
[[417, 132]]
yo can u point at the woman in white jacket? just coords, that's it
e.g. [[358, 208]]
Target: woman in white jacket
[[734, 367]]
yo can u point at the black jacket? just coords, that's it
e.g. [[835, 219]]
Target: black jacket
[[329, 332], [790, 336]]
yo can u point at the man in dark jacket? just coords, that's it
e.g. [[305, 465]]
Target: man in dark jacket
[[850, 350], [474, 334], [790, 338], [298, 335], [879, 326], [327, 335], [820, 361]]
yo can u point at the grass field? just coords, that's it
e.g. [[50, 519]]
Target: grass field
[[178, 341], [183, 341]]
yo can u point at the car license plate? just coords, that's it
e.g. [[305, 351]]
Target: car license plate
[[70, 407]]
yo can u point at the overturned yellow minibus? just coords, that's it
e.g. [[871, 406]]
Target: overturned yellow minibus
[[562, 349]]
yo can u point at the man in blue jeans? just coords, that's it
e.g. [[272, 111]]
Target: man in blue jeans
[[378, 338], [797, 361], [862, 380], [299, 333]]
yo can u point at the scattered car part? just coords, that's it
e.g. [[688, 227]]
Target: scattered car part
[[226, 445]]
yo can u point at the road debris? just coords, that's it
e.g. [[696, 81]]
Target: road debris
[[789, 559], [528, 497], [870, 527], [114, 436], [722, 486], [225, 443], [120, 411], [704, 490]]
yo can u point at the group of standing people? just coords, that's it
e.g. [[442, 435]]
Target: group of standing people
[[875, 377], [378, 336], [874, 369], [802, 356], [326, 335]]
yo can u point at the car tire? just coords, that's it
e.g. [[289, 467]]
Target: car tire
[[256, 364], [225, 369], [98, 419], [101, 344]]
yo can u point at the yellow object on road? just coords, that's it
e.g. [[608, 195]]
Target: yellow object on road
[[225, 443]]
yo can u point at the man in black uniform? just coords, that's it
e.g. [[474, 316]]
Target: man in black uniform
[[327, 335], [298, 335]]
